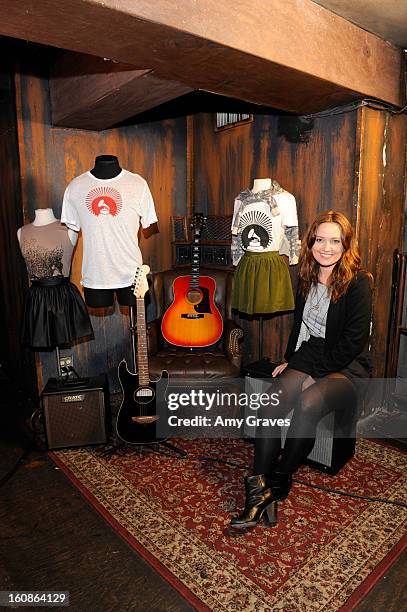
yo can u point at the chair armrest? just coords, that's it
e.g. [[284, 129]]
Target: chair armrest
[[232, 337]]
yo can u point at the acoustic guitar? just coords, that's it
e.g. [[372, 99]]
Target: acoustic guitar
[[137, 417], [193, 319]]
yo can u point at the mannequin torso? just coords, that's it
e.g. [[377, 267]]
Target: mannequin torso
[[108, 203], [47, 245], [45, 216], [265, 219], [106, 167], [54, 312]]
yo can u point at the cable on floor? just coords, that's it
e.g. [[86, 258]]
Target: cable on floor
[[297, 481]]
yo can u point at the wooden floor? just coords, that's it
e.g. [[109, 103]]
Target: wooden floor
[[52, 539]]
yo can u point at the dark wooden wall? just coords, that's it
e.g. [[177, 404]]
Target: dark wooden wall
[[353, 162], [380, 198], [13, 358], [51, 157]]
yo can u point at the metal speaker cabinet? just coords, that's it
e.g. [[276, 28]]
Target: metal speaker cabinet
[[76, 412]]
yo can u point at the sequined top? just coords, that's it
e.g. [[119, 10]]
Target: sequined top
[[47, 250]]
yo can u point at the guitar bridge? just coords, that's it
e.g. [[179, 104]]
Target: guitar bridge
[[144, 420], [192, 316]]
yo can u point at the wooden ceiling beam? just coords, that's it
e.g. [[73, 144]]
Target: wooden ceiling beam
[[91, 93], [290, 54]]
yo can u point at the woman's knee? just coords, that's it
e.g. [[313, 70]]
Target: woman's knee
[[311, 404], [330, 393]]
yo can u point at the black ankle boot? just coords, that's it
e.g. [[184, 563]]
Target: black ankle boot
[[262, 495], [259, 499], [280, 484]]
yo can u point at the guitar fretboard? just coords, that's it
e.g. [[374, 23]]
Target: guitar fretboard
[[142, 353], [196, 252]]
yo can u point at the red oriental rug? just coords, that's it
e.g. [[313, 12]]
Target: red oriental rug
[[326, 552]]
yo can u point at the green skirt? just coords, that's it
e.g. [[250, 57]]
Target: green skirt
[[262, 284]]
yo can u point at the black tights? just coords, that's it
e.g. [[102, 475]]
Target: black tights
[[334, 392]]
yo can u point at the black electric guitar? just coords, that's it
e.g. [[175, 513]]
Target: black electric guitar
[[137, 418]]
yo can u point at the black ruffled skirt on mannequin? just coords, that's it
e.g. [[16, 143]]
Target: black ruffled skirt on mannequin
[[54, 314]]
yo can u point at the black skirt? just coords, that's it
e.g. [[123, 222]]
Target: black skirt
[[54, 314], [311, 351]]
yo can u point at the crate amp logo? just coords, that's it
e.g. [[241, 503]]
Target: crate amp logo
[[73, 398]]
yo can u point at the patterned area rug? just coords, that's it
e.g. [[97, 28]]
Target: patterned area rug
[[326, 552]]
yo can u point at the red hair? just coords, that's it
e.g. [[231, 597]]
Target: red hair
[[345, 269]]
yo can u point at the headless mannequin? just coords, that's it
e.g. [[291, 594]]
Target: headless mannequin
[[106, 167], [260, 185], [45, 216], [46, 325]]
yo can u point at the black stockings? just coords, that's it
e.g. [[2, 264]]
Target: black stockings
[[311, 401]]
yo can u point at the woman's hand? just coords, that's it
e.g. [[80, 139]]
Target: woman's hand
[[280, 368]]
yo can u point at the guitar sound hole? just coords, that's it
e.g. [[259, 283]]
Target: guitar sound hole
[[194, 296], [144, 395]]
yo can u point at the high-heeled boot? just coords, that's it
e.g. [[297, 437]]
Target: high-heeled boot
[[280, 485], [262, 495], [259, 498]]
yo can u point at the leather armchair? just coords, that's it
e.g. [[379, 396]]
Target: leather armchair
[[222, 360]]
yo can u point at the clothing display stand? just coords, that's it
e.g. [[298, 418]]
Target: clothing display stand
[[128, 196], [263, 366], [264, 227], [261, 320], [57, 354]]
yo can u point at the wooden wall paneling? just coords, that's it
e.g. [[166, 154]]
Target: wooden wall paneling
[[319, 173], [33, 143], [17, 363], [190, 165], [381, 198], [54, 156]]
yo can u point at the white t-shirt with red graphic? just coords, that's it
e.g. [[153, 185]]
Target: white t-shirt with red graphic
[[109, 211]]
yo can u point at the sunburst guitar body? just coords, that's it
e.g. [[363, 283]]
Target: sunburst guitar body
[[193, 319]]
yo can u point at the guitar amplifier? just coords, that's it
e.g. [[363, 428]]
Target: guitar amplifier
[[76, 412], [334, 442], [215, 240]]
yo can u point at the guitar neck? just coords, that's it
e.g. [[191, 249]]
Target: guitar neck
[[142, 353], [196, 257]]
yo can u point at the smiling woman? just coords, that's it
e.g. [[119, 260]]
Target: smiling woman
[[327, 349], [328, 248]]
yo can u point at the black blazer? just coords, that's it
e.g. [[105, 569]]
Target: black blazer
[[347, 330]]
